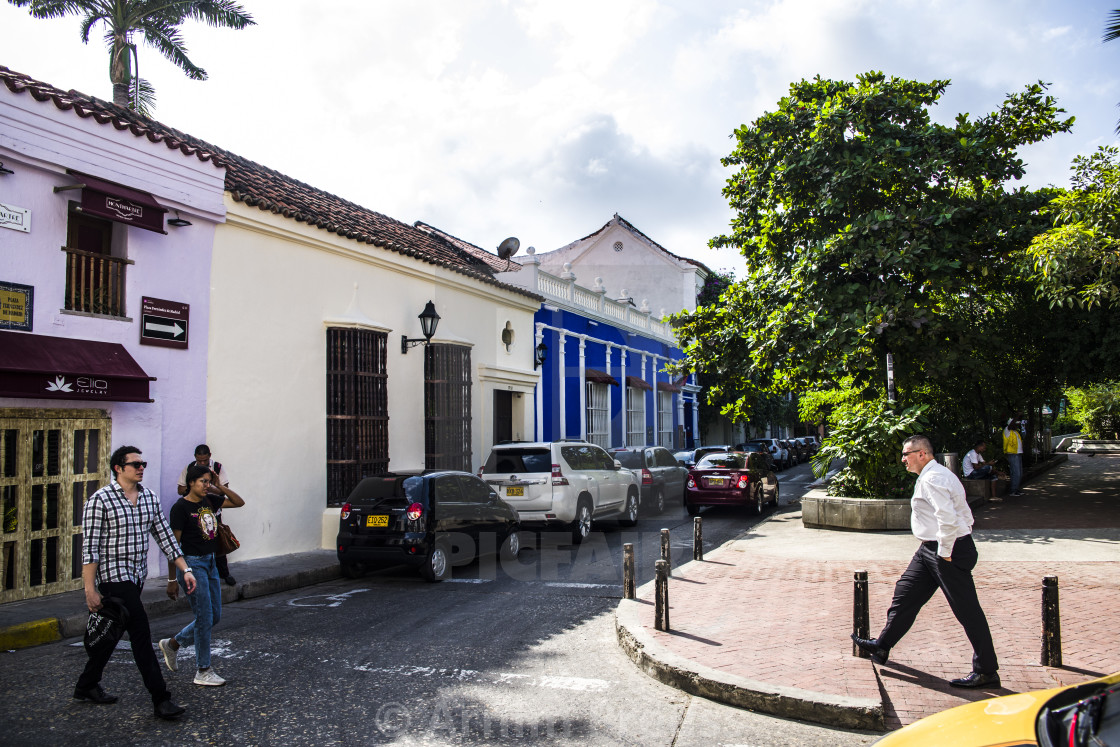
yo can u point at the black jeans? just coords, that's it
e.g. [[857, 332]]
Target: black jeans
[[140, 636], [925, 575]]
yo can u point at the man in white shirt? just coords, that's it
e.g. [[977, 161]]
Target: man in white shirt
[[974, 467], [941, 519]]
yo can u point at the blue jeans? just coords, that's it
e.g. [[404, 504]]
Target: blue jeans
[[1015, 462], [206, 603], [983, 473]]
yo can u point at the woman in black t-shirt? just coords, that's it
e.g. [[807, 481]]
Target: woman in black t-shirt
[[195, 525]]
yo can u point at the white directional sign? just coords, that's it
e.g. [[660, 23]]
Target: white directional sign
[[164, 323]]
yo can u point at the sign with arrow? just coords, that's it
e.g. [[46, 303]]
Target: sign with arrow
[[164, 323]]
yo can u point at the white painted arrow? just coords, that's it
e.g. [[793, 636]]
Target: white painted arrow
[[175, 330]]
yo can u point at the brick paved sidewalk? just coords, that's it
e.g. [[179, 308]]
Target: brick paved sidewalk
[[754, 613]]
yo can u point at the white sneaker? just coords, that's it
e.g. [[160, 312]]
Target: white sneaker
[[168, 654], [208, 677]]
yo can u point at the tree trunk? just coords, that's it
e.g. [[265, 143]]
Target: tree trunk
[[120, 72]]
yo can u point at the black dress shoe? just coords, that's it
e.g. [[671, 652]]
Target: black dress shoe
[[976, 679], [95, 694], [230, 580], [871, 647], [168, 710]]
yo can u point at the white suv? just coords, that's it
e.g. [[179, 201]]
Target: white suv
[[563, 483]]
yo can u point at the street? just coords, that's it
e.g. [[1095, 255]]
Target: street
[[503, 652]]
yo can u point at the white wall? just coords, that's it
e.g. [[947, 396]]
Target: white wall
[[277, 286]]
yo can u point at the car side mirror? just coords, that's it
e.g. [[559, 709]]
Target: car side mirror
[[617, 464]]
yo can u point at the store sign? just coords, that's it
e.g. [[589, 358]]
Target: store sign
[[15, 218], [17, 304]]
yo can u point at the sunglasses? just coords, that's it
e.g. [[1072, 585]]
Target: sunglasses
[[135, 465], [908, 453]]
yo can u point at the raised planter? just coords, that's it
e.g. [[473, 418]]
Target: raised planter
[[822, 511], [1090, 446]]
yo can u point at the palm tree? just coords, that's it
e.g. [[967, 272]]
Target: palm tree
[[1112, 31], [158, 21]]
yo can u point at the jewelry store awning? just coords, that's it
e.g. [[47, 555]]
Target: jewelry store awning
[[117, 202], [42, 367]]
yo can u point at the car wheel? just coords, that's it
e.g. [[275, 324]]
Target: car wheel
[[352, 570], [581, 527], [774, 497], [630, 517], [511, 546], [659, 501], [692, 510], [756, 508], [438, 565]]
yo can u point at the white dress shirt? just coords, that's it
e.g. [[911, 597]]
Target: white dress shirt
[[939, 510]]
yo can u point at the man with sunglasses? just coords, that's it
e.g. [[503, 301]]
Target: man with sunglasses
[[941, 519], [116, 522]]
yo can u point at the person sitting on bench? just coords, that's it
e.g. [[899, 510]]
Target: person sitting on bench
[[974, 467]]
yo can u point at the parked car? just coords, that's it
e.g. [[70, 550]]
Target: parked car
[[1079, 715], [563, 483], [810, 443], [692, 456], [425, 521], [659, 474], [732, 478], [759, 448], [778, 453], [797, 453]]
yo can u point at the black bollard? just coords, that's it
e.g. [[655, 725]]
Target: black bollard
[[661, 595], [860, 621], [1051, 624], [628, 571], [697, 538], [665, 554]]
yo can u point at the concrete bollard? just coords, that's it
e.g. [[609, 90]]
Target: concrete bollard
[[1051, 624], [665, 554], [861, 623], [628, 571], [661, 595], [697, 538]]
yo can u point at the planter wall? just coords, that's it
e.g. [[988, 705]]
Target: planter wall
[[821, 511]]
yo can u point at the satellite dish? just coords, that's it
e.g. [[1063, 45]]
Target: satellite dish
[[508, 248]]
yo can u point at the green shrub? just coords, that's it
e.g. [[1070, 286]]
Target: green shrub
[[1097, 409]]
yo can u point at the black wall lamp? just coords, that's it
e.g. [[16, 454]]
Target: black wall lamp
[[177, 221], [4, 170], [540, 354], [429, 320]]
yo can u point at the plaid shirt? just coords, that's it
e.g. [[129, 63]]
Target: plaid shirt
[[116, 534]]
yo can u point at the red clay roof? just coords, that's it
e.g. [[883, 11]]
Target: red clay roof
[[269, 190], [491, 259]]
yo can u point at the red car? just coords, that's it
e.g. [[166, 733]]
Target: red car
[[733, 478]]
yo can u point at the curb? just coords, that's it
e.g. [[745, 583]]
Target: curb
[[32, 633], [695, 679]]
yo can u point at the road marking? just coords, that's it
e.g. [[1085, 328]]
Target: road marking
[[550, 681], [575, 585], [333, 600], [468, 580]]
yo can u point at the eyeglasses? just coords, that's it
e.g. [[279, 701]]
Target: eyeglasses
[[136, 465], [908, 453]]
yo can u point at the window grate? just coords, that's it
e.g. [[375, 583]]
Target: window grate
[[357, 409], [598, 414], [447, 407]]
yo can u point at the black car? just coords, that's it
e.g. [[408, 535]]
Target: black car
[[660, 474], [427, 521], [692, 456]]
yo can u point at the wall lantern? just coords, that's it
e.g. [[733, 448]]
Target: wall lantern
[[539, 355], [177, 221], [429, 320], [4, 170]]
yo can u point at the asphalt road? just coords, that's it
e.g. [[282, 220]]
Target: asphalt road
[[520, 653]]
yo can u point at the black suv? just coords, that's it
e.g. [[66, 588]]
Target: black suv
[[660, 474], [426, 521]]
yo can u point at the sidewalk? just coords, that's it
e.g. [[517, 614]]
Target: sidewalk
[[35, 621], [763, 622]]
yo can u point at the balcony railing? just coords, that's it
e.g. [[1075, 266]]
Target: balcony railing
[[94, 282]]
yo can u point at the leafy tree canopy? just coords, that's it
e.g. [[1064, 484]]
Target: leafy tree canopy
[[866, 226]]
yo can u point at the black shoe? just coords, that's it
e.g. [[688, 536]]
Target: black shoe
[[95, 694], [976, 679], [871, 647], [230, 580], [168, 710]]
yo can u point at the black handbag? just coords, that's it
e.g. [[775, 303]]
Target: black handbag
[[106, 626]]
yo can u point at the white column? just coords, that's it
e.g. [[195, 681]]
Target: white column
[[539, 391], [656, 401], [583, 386], [622, 386], [610, 395], [696, 417], [563, 378], [680, 414]]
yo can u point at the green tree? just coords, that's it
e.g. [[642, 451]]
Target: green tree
[[1078, 260], [868, 228], [157, 21]]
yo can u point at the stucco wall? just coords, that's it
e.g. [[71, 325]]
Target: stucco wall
[[277, 286]]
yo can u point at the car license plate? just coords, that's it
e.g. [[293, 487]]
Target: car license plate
[[381, 520], [515, 491], [716, 482]]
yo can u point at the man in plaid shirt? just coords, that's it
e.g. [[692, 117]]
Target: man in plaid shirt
[[116, 522]]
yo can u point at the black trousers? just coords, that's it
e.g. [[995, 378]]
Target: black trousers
[[139, 635], [925, 575], [222, 565]]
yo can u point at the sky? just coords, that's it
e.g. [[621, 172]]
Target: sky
[[540, 119]]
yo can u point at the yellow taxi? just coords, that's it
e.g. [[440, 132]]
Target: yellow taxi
[[1084, 715]]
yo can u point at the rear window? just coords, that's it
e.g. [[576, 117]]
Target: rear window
[[502, 461], [723, 461], [628, 458], [389, 490]]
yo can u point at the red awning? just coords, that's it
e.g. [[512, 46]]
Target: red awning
[[123, 204], [41, 367], [638, 383], [666, 386], [599, 377]]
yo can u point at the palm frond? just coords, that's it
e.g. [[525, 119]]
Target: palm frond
[[1112, 30]]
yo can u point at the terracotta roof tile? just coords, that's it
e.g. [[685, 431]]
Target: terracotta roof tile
[[269, 190], [490, 258]]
